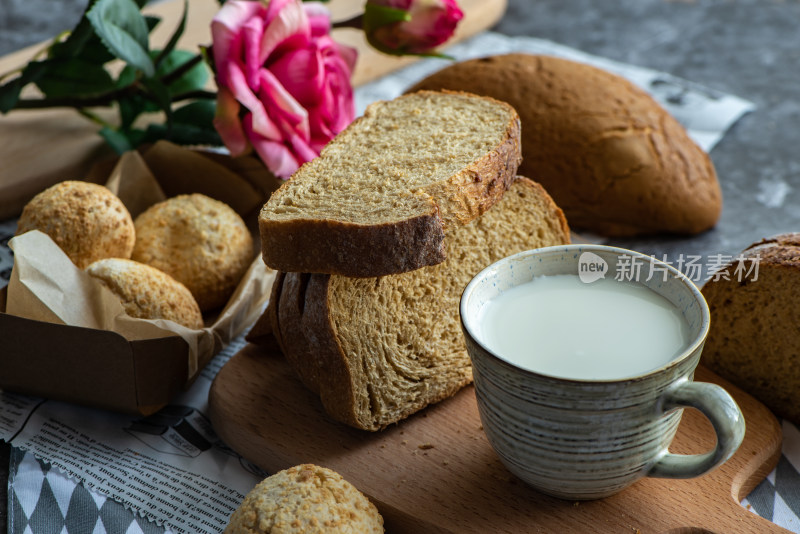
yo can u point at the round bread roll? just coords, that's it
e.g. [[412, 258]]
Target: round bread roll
[[86, 220], [611, 157], [199, 241], [146, 292], [305, 499]]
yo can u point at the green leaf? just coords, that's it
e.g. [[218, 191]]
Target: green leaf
[[9, 94], [193, 79], [10, 91], [123, 30], [130, 108], [376, 16], [74, 43], [199, 113], [78, 39], [175, 36], [75, 78], [126, 77], [159, 93], [183, 134], [152, 21], [117, 140]]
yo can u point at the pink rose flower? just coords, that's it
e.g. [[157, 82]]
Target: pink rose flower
[[426, 24], [283, 83]]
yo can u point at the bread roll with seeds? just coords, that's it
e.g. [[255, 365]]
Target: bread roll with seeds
[[147, 293], [86, 220], [199, 241], [305, 499]]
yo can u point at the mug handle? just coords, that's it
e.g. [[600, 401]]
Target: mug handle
[[723, 413]]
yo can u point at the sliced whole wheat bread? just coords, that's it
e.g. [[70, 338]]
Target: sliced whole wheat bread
[[377, 350], [754, 340], [384, 192]]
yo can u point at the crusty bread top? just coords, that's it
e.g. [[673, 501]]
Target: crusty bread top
[[199, 241], [379, 349], [305, 499], [613, 159], [86, 220], [147, 293], [390, 184], [783, 249]]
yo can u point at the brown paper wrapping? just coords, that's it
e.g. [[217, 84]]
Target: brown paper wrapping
[[46, 286]]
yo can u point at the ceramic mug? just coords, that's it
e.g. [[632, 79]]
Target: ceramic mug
[[587, 439]]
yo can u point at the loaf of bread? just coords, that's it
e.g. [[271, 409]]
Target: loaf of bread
[[377, 350], [147, 293], [384, 192], [613, 159], [754, 340], [199, 241], [305, 499], [86, 220]]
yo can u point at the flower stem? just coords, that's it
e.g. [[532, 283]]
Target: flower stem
[[94, 118], [356, 22]]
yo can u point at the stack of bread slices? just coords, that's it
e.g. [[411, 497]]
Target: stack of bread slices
[[376, 239]]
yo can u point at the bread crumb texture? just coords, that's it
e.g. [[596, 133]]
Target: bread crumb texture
[[147, 293], [383, 193], [380, 349], [754, 339], [305, 499], [378, 169], [613, 159], [87, 221], [199, 241]]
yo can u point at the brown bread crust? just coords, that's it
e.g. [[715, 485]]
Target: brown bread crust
[[352, 249], [304, 327], [356, 250], [614, 160], [754, 340]]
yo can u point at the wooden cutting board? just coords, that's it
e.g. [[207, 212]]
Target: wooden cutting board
[[435, 472], [42, 147]]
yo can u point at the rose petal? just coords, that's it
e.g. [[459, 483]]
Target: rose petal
[[302, 149], [282, 103], [226, 25], [280, 64], [252, 32], [238, 86], [289, 23], [301, 73], [276, 156], [227, 123], [319, 18]]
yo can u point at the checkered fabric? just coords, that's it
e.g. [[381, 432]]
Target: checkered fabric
[[777, 498], [43, 501]]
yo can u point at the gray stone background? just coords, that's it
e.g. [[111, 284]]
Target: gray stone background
[[750, 48]]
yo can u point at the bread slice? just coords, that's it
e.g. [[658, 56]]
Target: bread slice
[[377, 350], [613, 159], [382, 194], [754, 339]]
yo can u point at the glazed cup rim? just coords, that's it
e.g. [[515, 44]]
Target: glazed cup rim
[[695, 346]]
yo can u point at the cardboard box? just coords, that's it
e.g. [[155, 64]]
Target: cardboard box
[[140, 369]]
